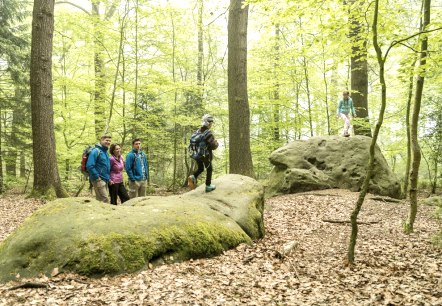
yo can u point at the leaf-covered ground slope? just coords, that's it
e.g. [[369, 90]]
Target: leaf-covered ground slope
[[299, 262]]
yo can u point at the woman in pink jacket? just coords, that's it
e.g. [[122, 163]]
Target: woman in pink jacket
[[116, 184]]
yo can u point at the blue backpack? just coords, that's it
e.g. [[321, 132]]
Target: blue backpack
[[198, 146]]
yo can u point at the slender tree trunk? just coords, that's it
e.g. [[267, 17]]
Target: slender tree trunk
[[14, 142], [370, 166], [175, 113], [1, 152], [276, 110], [134, 129], [117, 70], [407, 125], [240, 156], [46, 176], [326, 86], [199, 74], [22, 166], [416, 151]]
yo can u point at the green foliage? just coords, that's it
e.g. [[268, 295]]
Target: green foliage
[[298, 65]]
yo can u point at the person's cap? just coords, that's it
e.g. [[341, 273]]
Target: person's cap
[[206, 120], [105, 136]]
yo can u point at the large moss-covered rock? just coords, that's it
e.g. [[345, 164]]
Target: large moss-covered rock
[[91, 238], [329, 162]]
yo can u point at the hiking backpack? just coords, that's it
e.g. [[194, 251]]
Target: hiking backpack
[[198, 145], [84, 157]]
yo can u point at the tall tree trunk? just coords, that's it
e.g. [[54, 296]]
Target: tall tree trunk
[[276, 111], [407, 125], [134, 130], [199, 73], [359, 73], [175, 113], [117, 70], [240, 156], [100, 82], [1, 152], [22, 166], [14, 142], [46, 176], [370, 166], [416, 151]]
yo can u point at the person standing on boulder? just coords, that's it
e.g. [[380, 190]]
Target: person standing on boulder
[[98, 166], [137, 169], [206, 161], [344, 108], [116, 184]]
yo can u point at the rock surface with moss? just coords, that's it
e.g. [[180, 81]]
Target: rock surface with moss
[[91, 238], [329, 162]]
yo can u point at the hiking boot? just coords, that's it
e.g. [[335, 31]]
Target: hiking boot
[[346, 135], [210, 188], [191, 182]]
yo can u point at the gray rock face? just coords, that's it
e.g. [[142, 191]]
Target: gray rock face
[[91, 238], [329, 162]]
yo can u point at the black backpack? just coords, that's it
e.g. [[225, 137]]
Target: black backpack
[[198, 146]]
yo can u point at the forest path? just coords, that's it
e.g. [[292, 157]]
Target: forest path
[[391, 267]]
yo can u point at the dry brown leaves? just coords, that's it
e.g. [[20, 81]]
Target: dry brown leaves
[[299, 262]]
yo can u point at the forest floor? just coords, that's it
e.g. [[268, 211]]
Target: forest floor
[[391, 268]]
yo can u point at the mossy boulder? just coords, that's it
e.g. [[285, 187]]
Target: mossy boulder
[[91, 238], [329, 162]]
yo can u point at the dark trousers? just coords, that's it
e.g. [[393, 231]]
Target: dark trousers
[[204, 164], [118, 190]]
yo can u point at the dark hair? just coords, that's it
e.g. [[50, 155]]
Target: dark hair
[[112, 148], [135, 140], [346, 93]]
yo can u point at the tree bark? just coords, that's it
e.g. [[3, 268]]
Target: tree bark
[[240, 156], [100, 82], [46, 176], [359, 74], [276, 110], [1, 153], [416, 151], [370, 166], [407, 125]]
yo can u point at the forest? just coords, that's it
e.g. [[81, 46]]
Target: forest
[[270, 73], [151, 69]]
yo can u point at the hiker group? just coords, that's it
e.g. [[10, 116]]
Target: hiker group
[[106, 171]]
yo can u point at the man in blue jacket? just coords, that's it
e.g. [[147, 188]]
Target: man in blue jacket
[[137, 169], [98, 166]]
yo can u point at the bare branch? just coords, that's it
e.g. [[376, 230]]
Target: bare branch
[[73, 4]]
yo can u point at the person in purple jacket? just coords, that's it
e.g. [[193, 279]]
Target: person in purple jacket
[[116, 185]]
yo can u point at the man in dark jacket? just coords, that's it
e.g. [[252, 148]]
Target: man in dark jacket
[[137, 169], [205, 161], [98, 167]]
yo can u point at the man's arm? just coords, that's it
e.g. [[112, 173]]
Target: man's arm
[[146, 166], [129, 166]]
